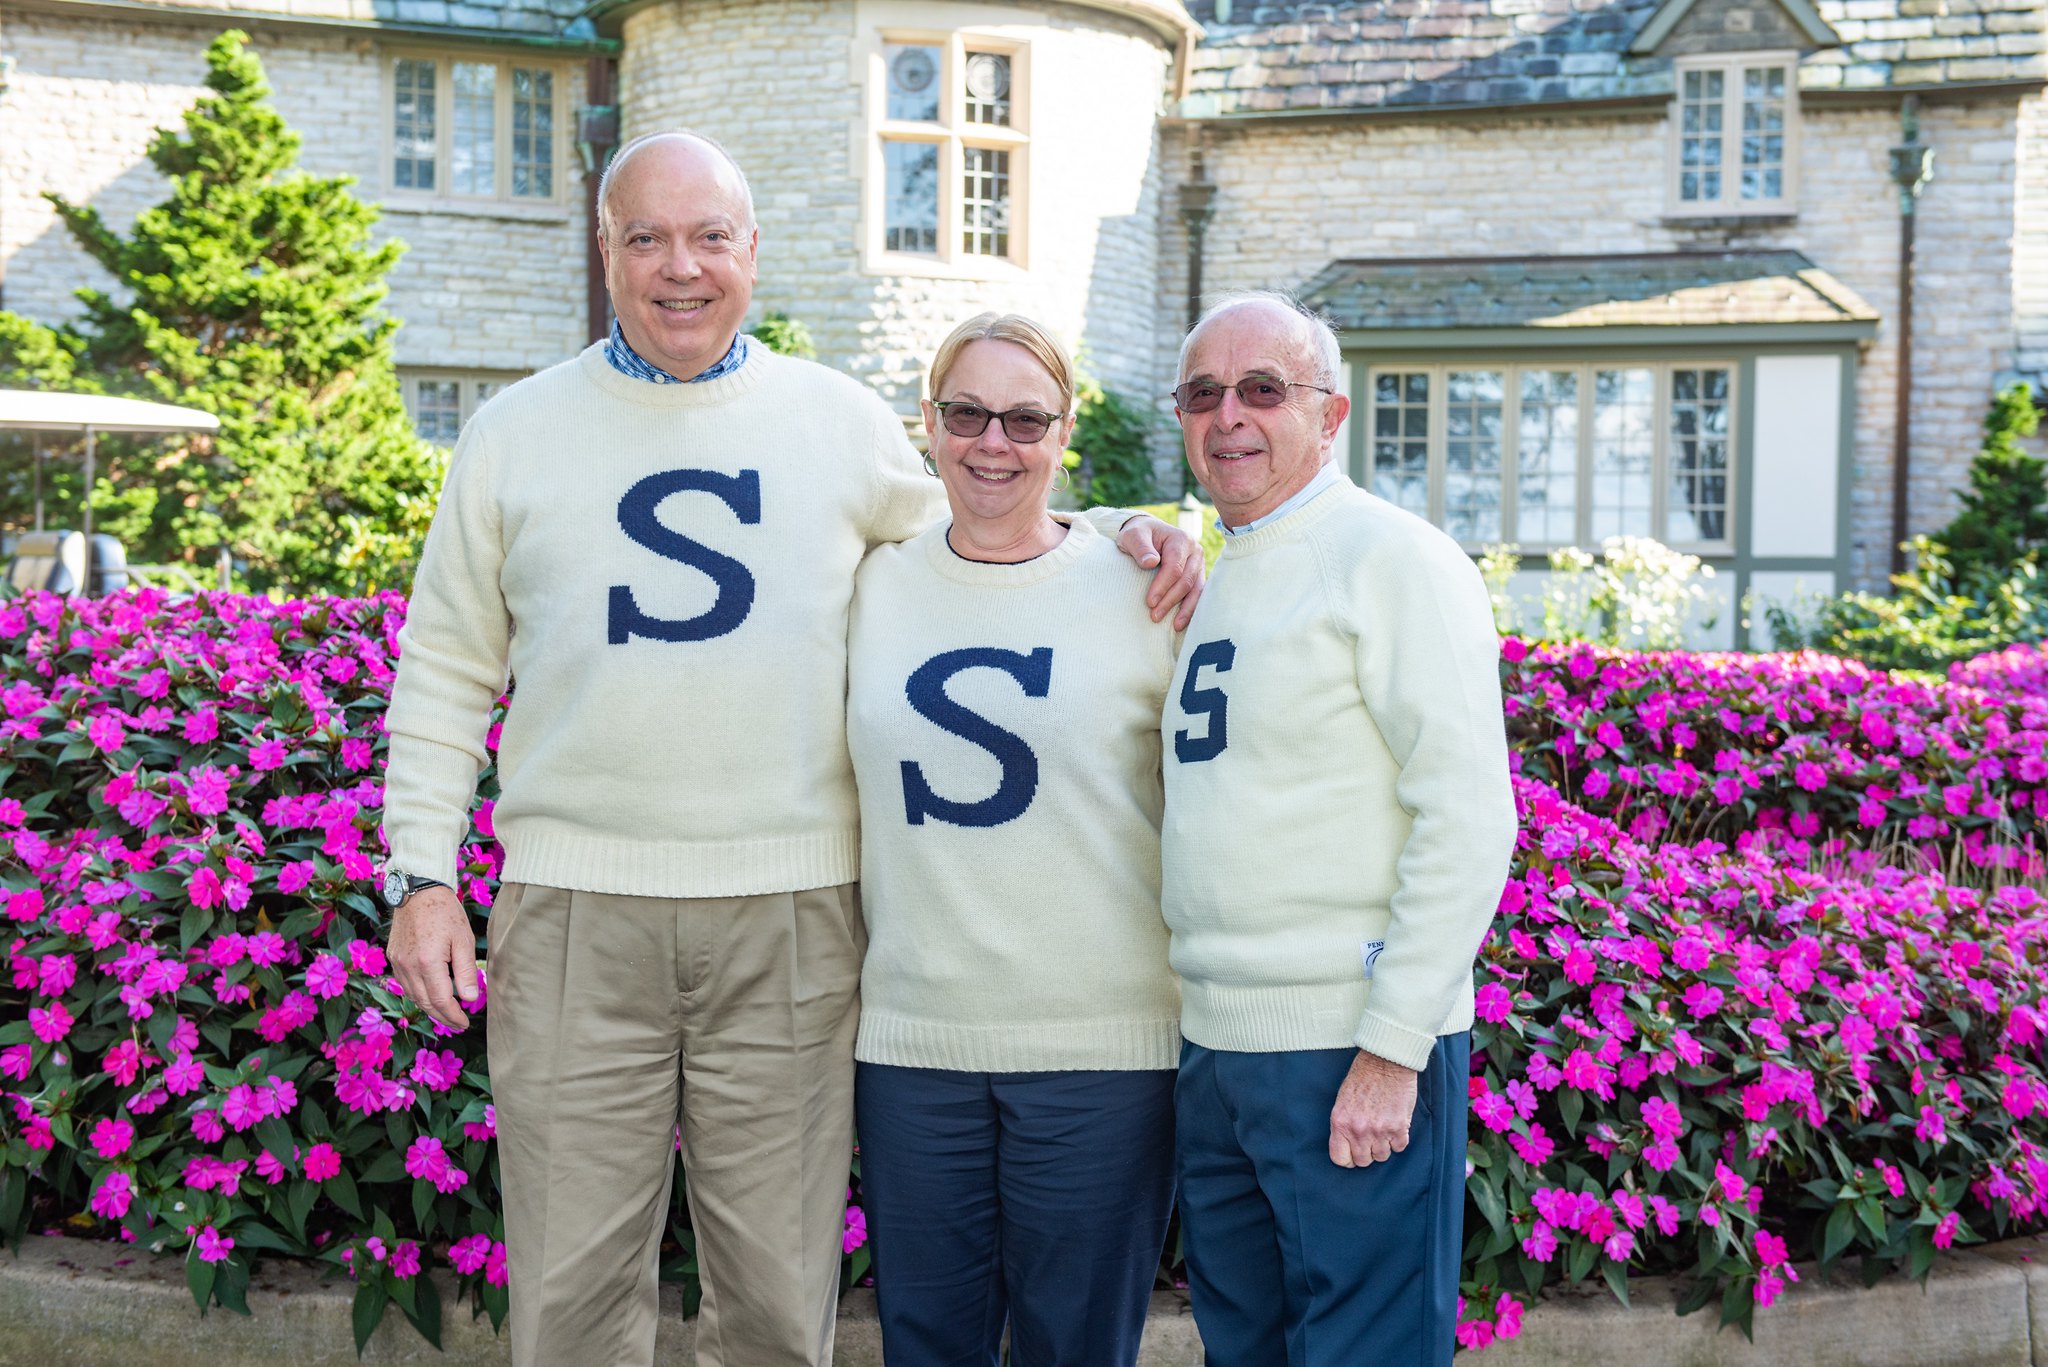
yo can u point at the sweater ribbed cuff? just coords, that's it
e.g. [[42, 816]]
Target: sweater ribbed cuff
[[1394, 1043], [1018, 1047]]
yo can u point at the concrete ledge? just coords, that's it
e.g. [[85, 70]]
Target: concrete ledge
[[72, 1303]]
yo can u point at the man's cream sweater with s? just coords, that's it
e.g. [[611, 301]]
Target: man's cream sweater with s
[[665, 570], [1338, 813]]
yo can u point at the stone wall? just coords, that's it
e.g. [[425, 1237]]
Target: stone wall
[[2030, 244], [779, 82], [480, 287], [1292, 198]]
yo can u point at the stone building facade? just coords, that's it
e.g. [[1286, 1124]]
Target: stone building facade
[[1707, 184]]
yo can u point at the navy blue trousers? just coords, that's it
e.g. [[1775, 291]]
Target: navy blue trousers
[[1036, 1199], [1293, 1261]]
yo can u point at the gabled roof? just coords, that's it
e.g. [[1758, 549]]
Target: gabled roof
[[1319, 56], [1803, 15], [1652, 289]]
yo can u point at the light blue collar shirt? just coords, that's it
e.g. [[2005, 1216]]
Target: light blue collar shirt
[[1323, 479], [627, 361]]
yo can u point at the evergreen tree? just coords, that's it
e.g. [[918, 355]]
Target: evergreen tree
[[251, 292], [2005, 509]]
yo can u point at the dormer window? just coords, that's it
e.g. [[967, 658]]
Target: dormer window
[[1735, 125]]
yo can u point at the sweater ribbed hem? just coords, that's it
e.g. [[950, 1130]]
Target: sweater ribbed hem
[[1270, 1020], [1024, 1047], [554, 856]]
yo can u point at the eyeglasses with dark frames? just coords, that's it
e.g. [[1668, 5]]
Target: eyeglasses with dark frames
[[1021, 425], [1253, 391]]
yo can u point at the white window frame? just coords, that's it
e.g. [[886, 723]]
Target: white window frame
[[471, 392], [1582, 512], [444, 60], [952, 134], [1730, 202]]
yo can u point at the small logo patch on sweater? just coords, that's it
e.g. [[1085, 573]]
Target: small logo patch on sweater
[[1369, 951]]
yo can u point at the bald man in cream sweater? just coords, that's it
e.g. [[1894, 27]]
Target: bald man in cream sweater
[[1338, 826]]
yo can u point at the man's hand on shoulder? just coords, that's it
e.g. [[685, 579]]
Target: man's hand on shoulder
[[433, 952], [1178, 584], [1369, 1123]]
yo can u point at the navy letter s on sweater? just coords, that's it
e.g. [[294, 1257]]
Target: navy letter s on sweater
[[741, 493], [927, 692], [1213, 702]]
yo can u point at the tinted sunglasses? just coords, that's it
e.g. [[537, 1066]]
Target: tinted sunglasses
[[1253, 391], [1021, 425]]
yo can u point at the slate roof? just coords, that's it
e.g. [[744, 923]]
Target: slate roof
[[537, 18], [1271, 56], [1652, 289]]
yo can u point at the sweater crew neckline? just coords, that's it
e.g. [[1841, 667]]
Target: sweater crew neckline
[[950, 564], [1288, 528], [697, 394]]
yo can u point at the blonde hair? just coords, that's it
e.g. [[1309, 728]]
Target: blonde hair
[[1005, 327]]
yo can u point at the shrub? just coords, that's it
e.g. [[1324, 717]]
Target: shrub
[[1763, 984], [1110, 435], [2005, 508], [1935, 616], [780, 332]]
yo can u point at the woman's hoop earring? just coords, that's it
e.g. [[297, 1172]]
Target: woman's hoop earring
[[931, 465], [1061, 479]]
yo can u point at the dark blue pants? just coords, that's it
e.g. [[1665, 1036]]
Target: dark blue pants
[[1040, 1199], [1293, 1261]]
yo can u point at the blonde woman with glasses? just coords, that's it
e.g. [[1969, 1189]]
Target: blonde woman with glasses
[[1019, 1025]]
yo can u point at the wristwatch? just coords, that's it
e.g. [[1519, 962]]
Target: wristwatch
[[399, 885]]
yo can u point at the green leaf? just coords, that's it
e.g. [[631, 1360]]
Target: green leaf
[[1696, 1295], [1487, 1197], [13, 1206], [276, 1139], [196, 921], [231, 1284], [199, 1275], [1583, 1256], [368, 1311], [341, 1189], [1871, 1212], [422, 1203], [298, 1205], [1616, 1276], [1570, 1104], [426, 1314], [388, 1166], [1841, 1227]]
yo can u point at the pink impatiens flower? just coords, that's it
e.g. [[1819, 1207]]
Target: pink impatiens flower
[[322, 1162], [111, 1137], [111, 1198], [213, 1246]]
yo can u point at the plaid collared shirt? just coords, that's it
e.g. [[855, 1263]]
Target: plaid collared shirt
[[627, 361]]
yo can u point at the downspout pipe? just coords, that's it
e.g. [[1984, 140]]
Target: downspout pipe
[[1912, 165], [597, 137], [1197, 208]]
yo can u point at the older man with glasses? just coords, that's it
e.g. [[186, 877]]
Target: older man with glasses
[[672, 520], [1338, 826]]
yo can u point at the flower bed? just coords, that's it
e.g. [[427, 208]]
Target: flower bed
[[1766, 984]]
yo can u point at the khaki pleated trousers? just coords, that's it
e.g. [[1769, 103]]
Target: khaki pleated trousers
[[612, 1021]]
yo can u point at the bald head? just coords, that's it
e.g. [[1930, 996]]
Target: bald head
[[689, 158], [1285, 320]]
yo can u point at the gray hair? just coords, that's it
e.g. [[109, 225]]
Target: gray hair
[[1318, 336], [619, 158]]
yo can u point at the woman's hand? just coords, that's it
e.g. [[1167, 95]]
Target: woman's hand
[[1178, 583]]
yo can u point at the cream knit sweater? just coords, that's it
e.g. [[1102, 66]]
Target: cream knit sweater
[[1338, 814], [678, 561], [1004, 722]]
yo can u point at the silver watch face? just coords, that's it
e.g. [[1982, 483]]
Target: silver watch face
[[394, 888]]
